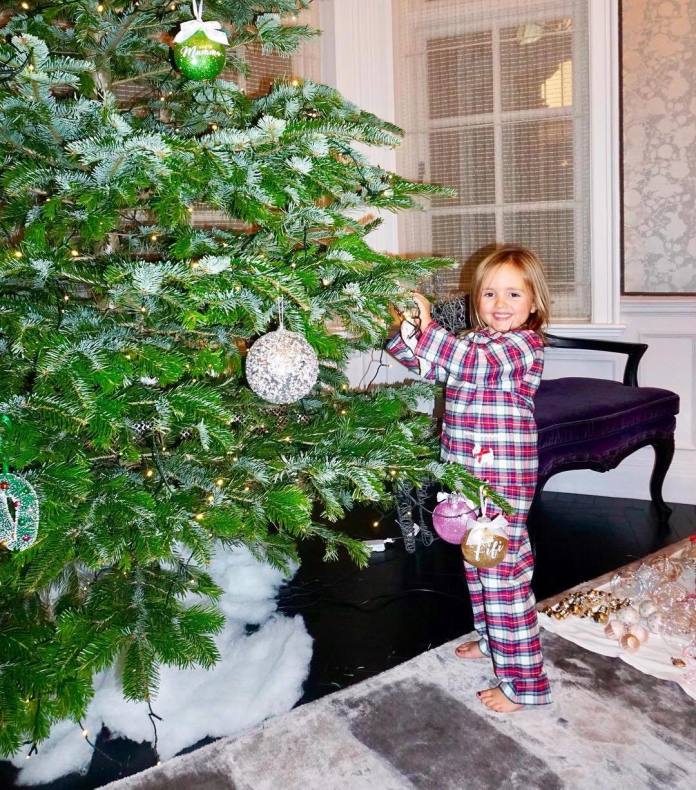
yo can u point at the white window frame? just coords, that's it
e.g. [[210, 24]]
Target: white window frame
[[351, 48]]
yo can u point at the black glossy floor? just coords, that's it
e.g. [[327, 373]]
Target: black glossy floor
[[365, 621]]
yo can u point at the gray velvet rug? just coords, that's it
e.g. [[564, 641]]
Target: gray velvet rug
[[420, 725]]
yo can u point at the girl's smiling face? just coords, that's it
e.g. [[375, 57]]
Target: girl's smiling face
[[505, 301]]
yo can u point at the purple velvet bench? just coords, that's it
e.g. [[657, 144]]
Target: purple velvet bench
[[587, 423]]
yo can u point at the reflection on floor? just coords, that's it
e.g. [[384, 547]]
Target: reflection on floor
[[365, 621]]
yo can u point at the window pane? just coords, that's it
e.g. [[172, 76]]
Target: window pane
[[538, 161], [551, 234], [460, 75], [465, 160], [536, 65], [460, 237]]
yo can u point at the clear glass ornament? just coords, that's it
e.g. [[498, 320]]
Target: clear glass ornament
[[664, 568], [281, 367], [645, 580], [654, 623], [621, 584]]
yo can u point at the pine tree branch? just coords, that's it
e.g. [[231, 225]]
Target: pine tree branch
[[142, 76], [160, 468], [51, 127], [120, 33]]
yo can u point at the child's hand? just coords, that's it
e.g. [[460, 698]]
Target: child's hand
[[423, 304], [396, 316]]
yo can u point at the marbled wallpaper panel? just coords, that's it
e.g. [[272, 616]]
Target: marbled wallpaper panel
[[659, 139]]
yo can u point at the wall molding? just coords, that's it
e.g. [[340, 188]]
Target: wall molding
[[686, 371], [595, 331], [631, 479], [668, 305]]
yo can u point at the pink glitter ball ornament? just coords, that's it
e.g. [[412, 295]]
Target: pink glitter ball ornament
[[450, 516]]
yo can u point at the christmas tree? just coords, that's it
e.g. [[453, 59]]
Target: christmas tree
[[131, 441]]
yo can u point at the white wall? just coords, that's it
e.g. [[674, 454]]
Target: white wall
[[357, 58]]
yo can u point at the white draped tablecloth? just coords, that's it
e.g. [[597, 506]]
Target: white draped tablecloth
[[653, 657]]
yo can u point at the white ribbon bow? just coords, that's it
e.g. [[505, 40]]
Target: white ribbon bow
[[454, 498], [213, 30], [499, 522]]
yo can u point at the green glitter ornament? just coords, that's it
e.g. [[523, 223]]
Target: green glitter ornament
[[19, 512], [199, 47], [199, 58]]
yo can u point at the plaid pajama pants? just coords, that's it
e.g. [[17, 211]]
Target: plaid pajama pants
[[490, 379]]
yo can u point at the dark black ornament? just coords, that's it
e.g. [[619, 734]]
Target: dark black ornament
[[452, 315], [141, 428]]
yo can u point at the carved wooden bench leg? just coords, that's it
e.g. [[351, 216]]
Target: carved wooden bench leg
[[664, 452]]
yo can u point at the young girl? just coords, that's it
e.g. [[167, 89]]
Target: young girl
[[491, 376]]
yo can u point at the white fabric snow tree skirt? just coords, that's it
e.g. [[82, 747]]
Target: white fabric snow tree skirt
[[259, 675]]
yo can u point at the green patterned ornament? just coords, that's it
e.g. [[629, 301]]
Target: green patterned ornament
[[19, 526], [199, 47]]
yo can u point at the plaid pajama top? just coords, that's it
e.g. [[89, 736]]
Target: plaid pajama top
[[490, 380]]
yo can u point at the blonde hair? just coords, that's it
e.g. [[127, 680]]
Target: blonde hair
[[532, 271]]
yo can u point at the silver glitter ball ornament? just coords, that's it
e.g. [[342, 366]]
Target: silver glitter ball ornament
[[281, 367]]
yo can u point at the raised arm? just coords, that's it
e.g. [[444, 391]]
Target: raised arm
[[401, 351], [441, 348]]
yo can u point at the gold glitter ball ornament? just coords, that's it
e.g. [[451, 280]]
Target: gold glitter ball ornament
[[485, 544]]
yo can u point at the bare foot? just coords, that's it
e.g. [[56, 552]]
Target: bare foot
[[497, 701], [469, 650]]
